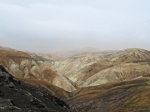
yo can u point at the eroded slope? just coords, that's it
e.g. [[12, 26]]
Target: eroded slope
[[22, 65], [73, 65], [124, 65]]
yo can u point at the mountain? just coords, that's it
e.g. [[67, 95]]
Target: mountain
[[106, 81], [69, 53], [77, 62], [17, 96], [121, 72], [73, 65], [124, 65], [125, 96], [22, 65]]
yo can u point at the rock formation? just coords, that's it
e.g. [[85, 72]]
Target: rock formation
[[22, 65], [17, 96]]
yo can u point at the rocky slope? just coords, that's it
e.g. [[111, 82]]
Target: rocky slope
[[17, 96], [22, 65], [119, 73], [126, 96], [124, 56], [72, 65], [54, 90], [124, 65]]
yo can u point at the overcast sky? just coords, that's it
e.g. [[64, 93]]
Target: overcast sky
[[51, 25]]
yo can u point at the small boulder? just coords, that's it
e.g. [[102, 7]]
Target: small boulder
[[11, 85]]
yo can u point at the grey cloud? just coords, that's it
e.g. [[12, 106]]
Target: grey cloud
[[48, 25]]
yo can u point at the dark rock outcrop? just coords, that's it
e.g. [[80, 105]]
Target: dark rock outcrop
[[17, 96]]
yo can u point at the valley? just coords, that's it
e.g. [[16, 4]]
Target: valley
[[105, 81], [74, 55]]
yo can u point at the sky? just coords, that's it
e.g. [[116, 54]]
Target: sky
[[53, 25]]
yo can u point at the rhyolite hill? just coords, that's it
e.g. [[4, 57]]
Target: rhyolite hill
[[106, 81]]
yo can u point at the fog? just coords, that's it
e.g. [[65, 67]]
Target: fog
[[53, 25]]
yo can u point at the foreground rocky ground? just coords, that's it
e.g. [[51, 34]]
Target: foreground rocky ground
[[17, 96]]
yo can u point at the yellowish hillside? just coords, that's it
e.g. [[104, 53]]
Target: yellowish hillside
[[22, 65]]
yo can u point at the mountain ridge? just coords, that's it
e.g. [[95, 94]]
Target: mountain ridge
[[22, 65], [117, 60]]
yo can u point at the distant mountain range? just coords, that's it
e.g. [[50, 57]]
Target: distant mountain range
[[69, 53]]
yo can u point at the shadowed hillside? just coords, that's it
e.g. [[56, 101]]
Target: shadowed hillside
[[54, 90], [17, 96]]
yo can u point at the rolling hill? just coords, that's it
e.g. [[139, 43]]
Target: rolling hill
[[74, 64], [124, 65], [88, 82], [22, 65]]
